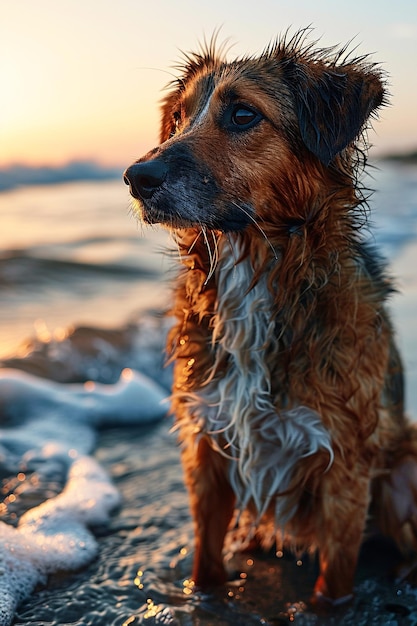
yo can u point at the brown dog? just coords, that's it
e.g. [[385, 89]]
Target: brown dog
[[288, 385]]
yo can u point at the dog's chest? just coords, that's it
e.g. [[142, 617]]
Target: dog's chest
[[243, 328], [235, 406]]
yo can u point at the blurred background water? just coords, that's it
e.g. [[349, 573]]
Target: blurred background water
[[82, 285], [72, 253]]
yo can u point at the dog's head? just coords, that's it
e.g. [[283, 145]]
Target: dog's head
[[241, 140]]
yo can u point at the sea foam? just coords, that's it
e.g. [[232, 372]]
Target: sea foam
[[56, 425]]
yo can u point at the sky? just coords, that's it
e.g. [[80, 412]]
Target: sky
[[82, 79]]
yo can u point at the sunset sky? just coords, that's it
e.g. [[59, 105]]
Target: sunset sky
[[81, 79]]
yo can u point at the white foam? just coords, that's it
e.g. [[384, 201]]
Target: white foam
[[57, 422]]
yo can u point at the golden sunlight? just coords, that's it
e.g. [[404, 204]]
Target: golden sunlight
[[61, 102]]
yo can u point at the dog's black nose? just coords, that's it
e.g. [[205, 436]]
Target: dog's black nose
[[145, 178]]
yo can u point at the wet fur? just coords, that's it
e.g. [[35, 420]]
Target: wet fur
[[288, 390]]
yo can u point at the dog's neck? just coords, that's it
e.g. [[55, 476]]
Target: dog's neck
[[285, 267]]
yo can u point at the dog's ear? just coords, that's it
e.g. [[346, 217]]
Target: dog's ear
[[333, 104]]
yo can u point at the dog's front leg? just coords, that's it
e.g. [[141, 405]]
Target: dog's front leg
[[212, 506], [340, 530]]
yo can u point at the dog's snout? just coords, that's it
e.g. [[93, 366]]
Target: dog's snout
[[145, 178]]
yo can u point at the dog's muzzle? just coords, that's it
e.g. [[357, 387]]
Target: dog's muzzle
[[145, 178]]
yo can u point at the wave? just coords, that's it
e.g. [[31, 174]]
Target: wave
[[22, 175], [58, 429], [49, 431], [23, 267]]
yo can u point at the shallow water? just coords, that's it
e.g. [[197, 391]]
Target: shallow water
[[71, 257], [144, 560]]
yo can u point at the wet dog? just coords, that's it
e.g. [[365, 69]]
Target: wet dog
[[288, 389]]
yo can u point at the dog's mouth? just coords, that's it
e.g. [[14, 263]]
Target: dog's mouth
[[145, 214], [173, 211], [153, 215], [145, 191], [156, 201], [176, 193]]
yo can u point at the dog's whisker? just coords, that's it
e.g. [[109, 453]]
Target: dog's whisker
[[216, 248], [261, 230], [213, 256], [207, 244], [190, 249]]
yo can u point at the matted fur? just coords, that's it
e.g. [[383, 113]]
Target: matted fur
[[237, 410], [287, 385]]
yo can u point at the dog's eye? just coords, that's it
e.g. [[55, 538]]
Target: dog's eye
[[176, 122], [243, 117]]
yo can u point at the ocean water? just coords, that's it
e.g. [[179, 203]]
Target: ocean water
[[95, 527]]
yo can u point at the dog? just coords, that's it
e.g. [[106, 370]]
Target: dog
[[288, 385]]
